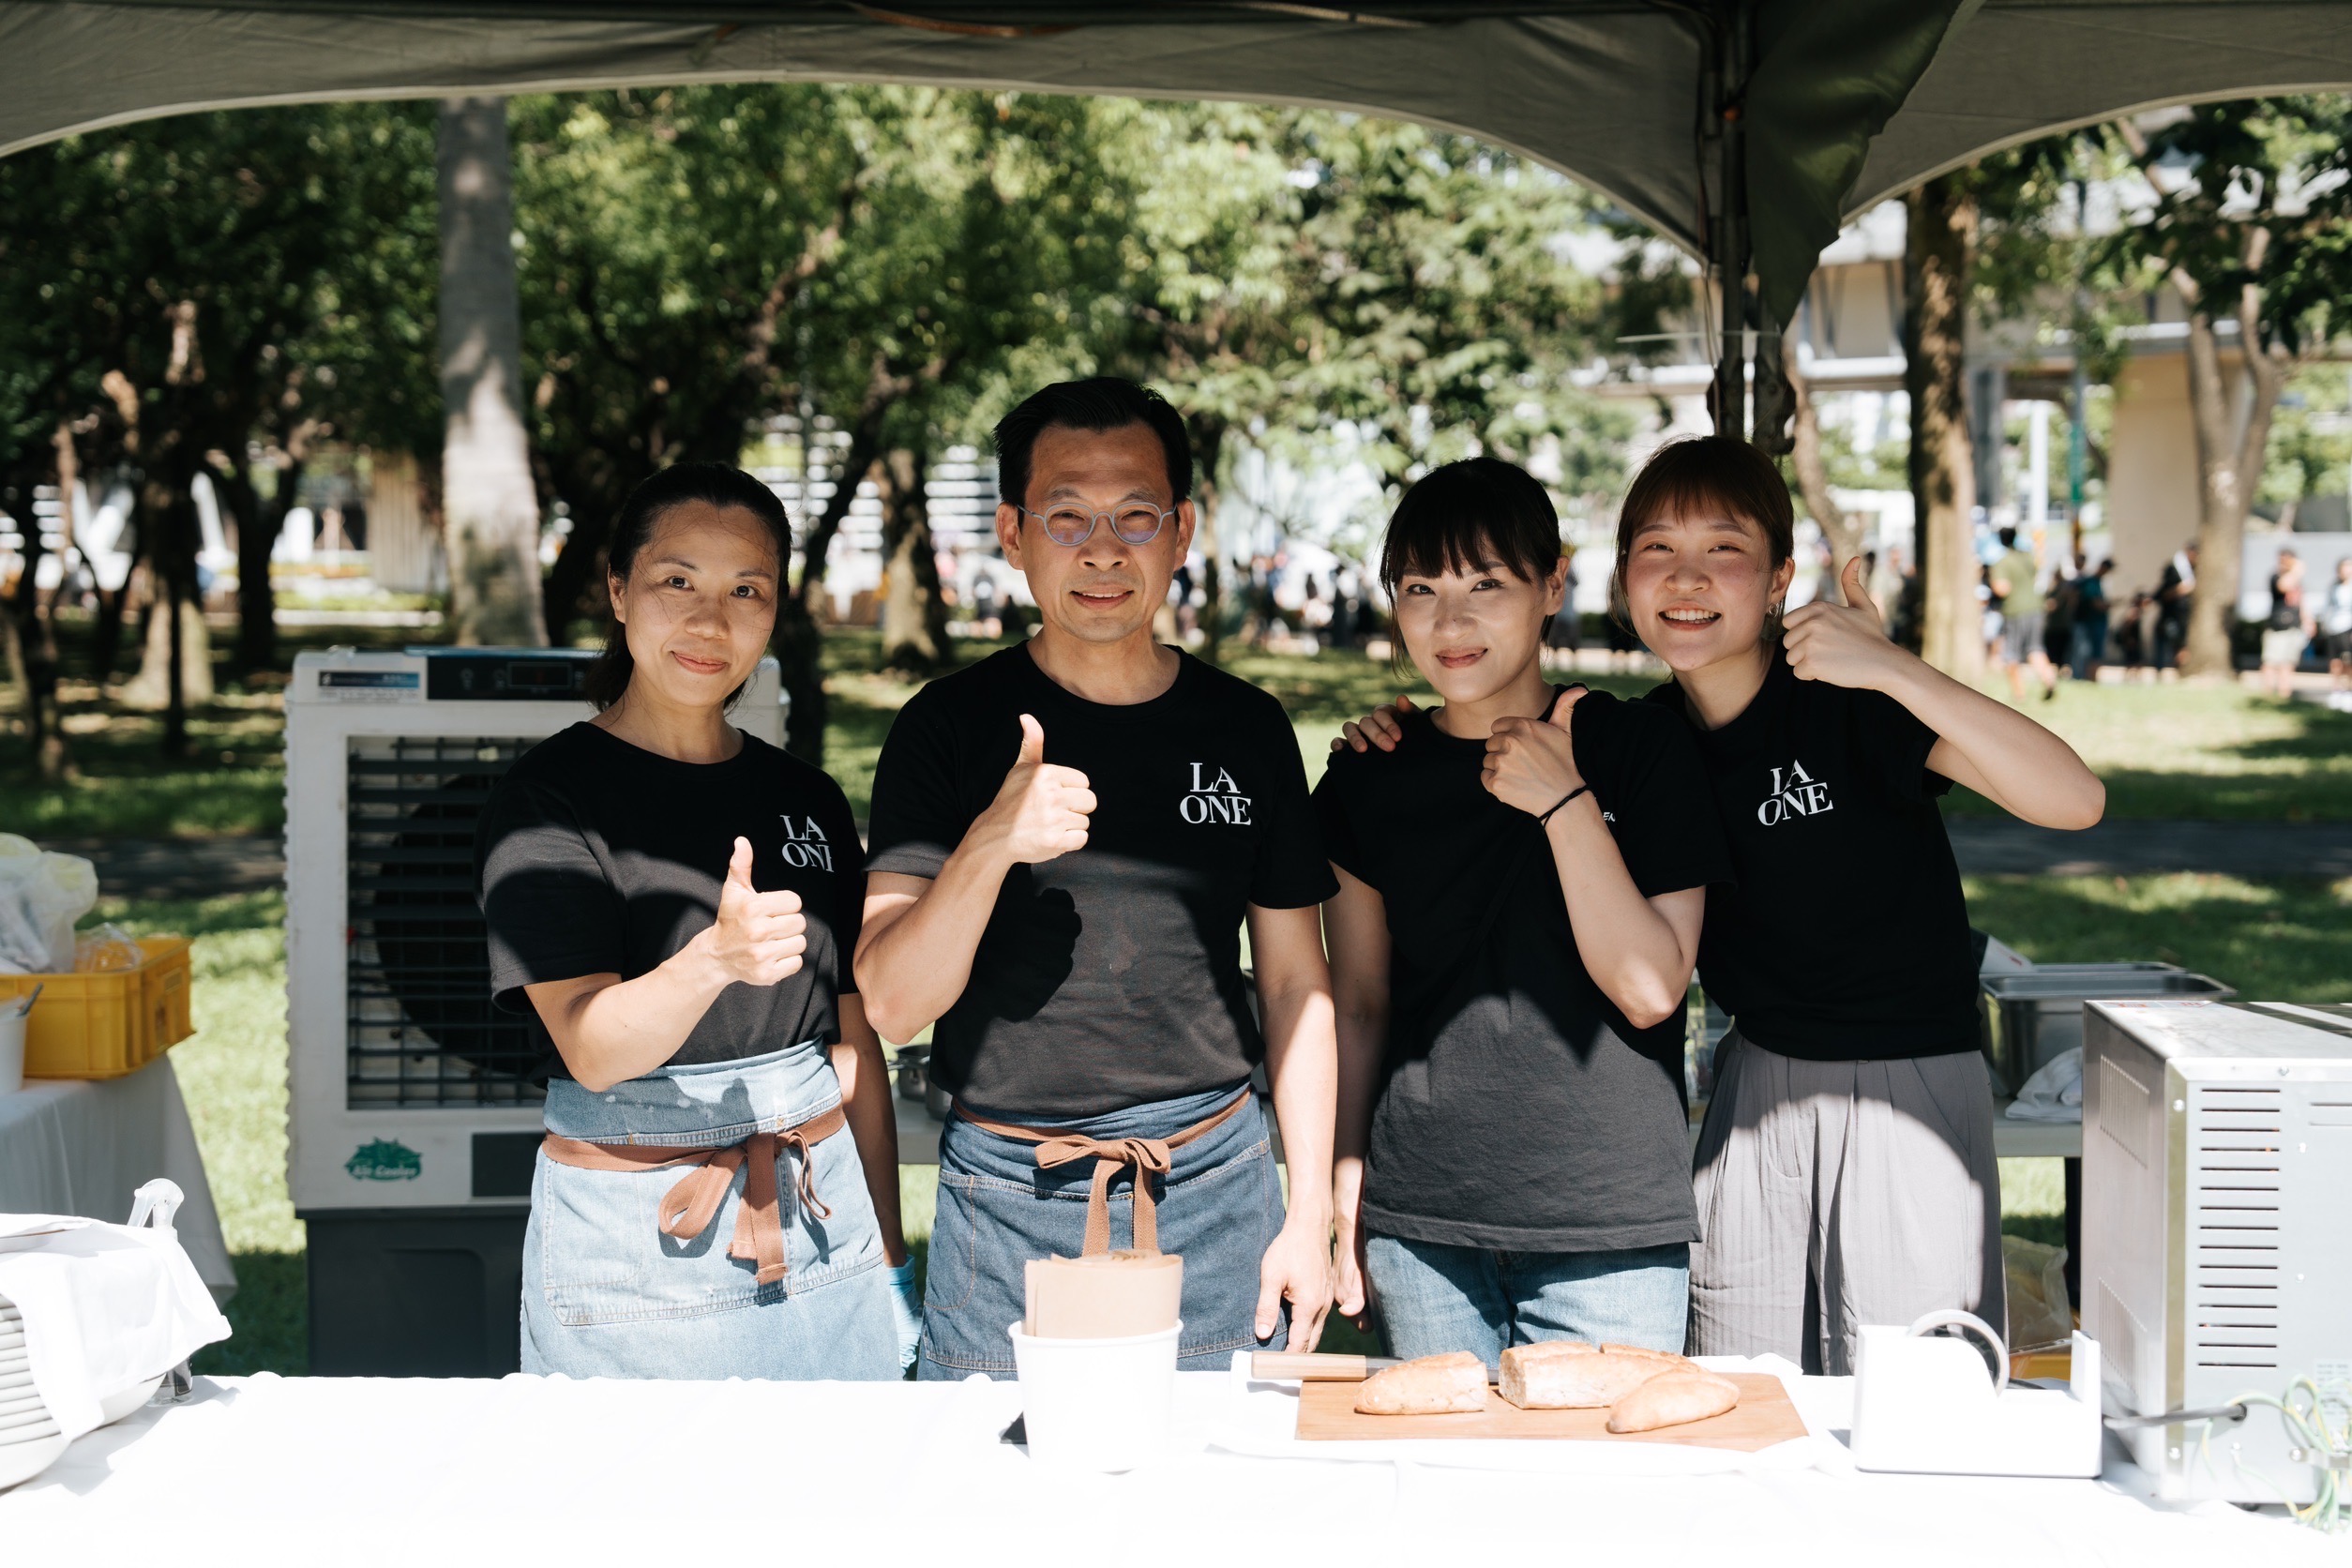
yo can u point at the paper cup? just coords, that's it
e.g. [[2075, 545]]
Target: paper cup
[[11, 1047], [1097, 1404]]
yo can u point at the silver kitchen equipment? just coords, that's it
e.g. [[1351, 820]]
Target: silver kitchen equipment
[[2033, 1017], [2217, 1150], [911, 1067]]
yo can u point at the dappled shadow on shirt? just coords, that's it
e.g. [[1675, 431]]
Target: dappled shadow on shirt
[[1030, 950]]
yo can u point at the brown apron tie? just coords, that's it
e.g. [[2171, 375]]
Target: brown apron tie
[[1145, 1157], [690, 1205]]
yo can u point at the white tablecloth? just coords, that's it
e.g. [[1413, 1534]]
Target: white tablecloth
[[267, 1469], [74, 1146]]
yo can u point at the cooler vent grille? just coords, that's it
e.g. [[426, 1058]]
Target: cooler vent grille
[[2234, 1136], [422, 1029]]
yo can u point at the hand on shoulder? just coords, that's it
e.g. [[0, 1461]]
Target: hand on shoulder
[[1378, 729]]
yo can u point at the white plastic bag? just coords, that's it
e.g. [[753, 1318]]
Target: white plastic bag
[[42, 897], [2055, 1092]]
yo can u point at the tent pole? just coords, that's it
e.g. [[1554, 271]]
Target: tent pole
[[1733, 48]]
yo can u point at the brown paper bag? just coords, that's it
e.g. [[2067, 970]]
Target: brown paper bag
[[1109, 1296]]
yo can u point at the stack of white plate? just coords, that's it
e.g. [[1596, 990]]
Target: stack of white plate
[[29, 1439]]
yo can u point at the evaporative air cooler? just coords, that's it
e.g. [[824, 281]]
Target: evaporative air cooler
[[414, 1120]]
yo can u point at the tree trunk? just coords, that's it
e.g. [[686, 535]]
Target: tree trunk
[[36, 685], [36, 632], [913, 616], [2231, 447], [579, 567], [1812, 476], [174, 674], [258, 527], [489, 506], [799, 641], [1937, 257], [106, 633], [1207, 444]]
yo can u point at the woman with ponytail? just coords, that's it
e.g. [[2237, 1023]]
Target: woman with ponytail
[[672, 905]]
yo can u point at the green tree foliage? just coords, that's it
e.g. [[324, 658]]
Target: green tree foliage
[[698, 259], [2250, 223], [1441, 312], [171, 291], [899, 263], [1320, 283], [2310, 440], [666, 239]]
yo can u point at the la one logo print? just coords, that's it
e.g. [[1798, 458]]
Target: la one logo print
[[1213, 798], [1795, 794], [805, 843]]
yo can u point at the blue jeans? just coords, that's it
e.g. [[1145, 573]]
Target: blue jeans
[[1436, 1298], [605, 1294], [1220, 1208], [2089, 645]]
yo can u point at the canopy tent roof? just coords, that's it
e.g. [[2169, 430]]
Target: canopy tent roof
[[1816, 109]]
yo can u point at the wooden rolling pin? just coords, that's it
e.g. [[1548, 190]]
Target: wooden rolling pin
[[1313, 1366]]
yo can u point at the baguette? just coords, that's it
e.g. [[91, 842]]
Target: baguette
[[1672, 1399], [1431, 1385], [1570, 1375]]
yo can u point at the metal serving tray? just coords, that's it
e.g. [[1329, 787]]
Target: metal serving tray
[[2035, 1016]]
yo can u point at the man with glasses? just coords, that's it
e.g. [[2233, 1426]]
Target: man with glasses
[[1067, 838]]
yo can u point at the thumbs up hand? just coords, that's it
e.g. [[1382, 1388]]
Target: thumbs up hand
[[758, 938], [1531, 763], [1844, 644], [1041, 811]]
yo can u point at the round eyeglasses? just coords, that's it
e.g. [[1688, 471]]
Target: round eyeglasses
[[1138, 522]]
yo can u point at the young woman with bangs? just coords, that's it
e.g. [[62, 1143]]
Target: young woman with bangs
[[1521, 888], [1846, 1172]]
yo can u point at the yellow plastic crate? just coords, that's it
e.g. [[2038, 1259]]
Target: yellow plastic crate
[[108, 1022]]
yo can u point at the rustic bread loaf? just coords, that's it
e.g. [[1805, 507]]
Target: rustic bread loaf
[[1671, 1400], [1570, 1375], [1431, 1385]]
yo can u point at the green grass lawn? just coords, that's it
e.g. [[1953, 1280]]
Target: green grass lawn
[[2207, 753], [2169, 751], [2165, 752], [2280, 939]]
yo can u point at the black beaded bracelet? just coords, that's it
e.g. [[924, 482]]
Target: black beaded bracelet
[[1581, 789]]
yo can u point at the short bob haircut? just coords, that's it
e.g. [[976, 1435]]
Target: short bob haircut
[[1098, 403], [1466, 514], [1717, 474], [715, 484]]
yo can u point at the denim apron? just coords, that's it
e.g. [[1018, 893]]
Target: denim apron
[[1220, 1208], [606, 1294]]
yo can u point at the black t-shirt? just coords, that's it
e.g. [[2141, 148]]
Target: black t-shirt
[[1110, 977], [1846, 936], [595, 856], [1519, 1109], [2287, 606]]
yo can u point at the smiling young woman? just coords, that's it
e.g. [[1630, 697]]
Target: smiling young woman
[[1845, 1174], [673, 904], [1520, 888]]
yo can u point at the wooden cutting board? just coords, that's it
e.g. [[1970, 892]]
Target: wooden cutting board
[[1763, 1417]]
